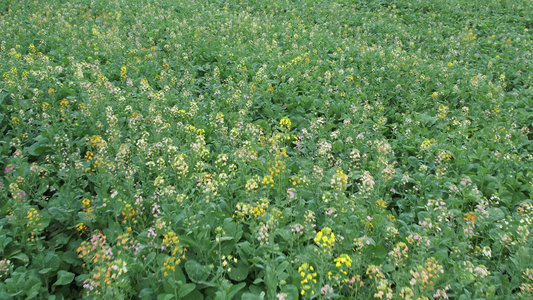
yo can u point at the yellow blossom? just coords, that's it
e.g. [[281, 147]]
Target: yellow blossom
[[285, 122]]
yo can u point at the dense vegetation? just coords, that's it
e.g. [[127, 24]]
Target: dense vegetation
[[163, 149]]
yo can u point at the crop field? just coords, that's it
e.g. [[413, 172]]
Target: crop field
[[282, 149]]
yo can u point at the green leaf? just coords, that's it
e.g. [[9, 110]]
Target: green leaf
[[291, 291], [234, 289], [70, 257], [388, 268], [60, 240], [186, 289], [338, 146], [64, 278], [495, 214], [379, 254], [146, 292], [39, 147], [413, 161], [427, 119], [52, 260], [194, 295], [22, 257], [240, 272], [282, 267], [149, 258], [44, 222], [45, 270], [59, 213], [196, 271], [465, 296], [422, 215], [250, 296], [165, 296], [34, 290]]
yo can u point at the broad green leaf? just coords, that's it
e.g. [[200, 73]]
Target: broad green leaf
[[186, 289], [149, 258], [196, 271], [64, 278], [146, 292], [240, 272], [413, 161], [291, 291], [234, 289], [22, 257]]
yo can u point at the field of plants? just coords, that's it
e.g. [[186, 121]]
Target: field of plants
[[283, 149]]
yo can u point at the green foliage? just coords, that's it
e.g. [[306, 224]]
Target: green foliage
[[266, 149]]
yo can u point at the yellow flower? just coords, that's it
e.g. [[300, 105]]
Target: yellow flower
[[81, 227], [343, 259], [443, 110], [427, 143], [123, 72], [308, 276], [380, 204], [325, 239], [285, 122]]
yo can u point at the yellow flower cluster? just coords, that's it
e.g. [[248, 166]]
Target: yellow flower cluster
[[96, 141], [33, 217], [268, 180], [87, 206], [123, 72], [80, 227], [89, 155], [285, 122], [381, 205], [325, 239], [443, 110], [343, 259], [128, 212], [339, 180], [427, 143], [246, 210], [426, 275], [64, 104], [445, 156], [295, 181], [92, 160], [177, 252], [308, 275], [383, 286], [95, 251], [276, 169]]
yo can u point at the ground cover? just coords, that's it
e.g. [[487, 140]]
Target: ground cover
[[266, 149]]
